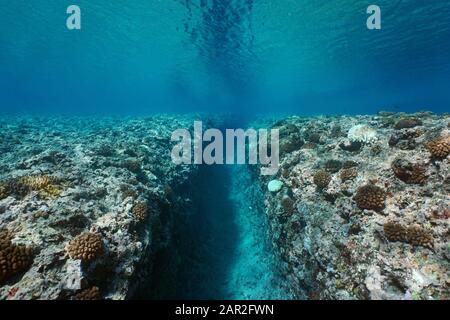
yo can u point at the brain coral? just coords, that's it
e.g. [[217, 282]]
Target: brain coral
[[13, 258], [322, 179], [140, 210], [370, 197], [439, 148], [86, 247], [408, 172], [362, 133]]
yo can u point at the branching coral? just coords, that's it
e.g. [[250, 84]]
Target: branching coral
[[140, 210], [408, 172], [370, 197], [86, 247], [413, 235], [13, 258], [439, 148], [322, 179]]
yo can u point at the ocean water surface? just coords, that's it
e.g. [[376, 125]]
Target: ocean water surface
[[245, 57]]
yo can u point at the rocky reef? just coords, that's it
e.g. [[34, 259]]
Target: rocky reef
[[86, 204], [364, 208], [94, 208]]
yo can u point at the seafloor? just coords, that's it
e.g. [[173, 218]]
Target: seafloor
[[93, 208]]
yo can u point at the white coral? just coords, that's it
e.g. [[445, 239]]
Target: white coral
[[362, 133]]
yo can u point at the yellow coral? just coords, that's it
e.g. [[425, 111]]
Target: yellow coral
[[46, 186]]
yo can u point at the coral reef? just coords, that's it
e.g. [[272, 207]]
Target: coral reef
[[414, 235], [439, 148], [398, 248], [86, 247], [370, 197], [407, 123], [395, 231], [409, 172], [140, 211], [348, 174], [14, 258], [71, 176], [333, 166], [321, 179]]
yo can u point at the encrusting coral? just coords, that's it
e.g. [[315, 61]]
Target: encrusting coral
[[86, 247], [140, 210], [370, 197], [439, 148], [408, 172], [322, 179], [13, 258]]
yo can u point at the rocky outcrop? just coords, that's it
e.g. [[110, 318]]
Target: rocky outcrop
[[92, 199], [377, 232]]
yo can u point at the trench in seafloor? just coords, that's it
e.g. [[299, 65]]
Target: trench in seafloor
[[221, 245]]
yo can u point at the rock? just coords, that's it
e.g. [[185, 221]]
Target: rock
[[351, 146], [274, 185], [362, 133]]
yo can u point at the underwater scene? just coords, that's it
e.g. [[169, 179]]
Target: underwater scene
[[225, 150]]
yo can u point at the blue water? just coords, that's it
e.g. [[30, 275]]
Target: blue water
[[247, 57]]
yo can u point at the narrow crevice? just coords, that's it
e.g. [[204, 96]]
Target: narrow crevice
[[220, 246]]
